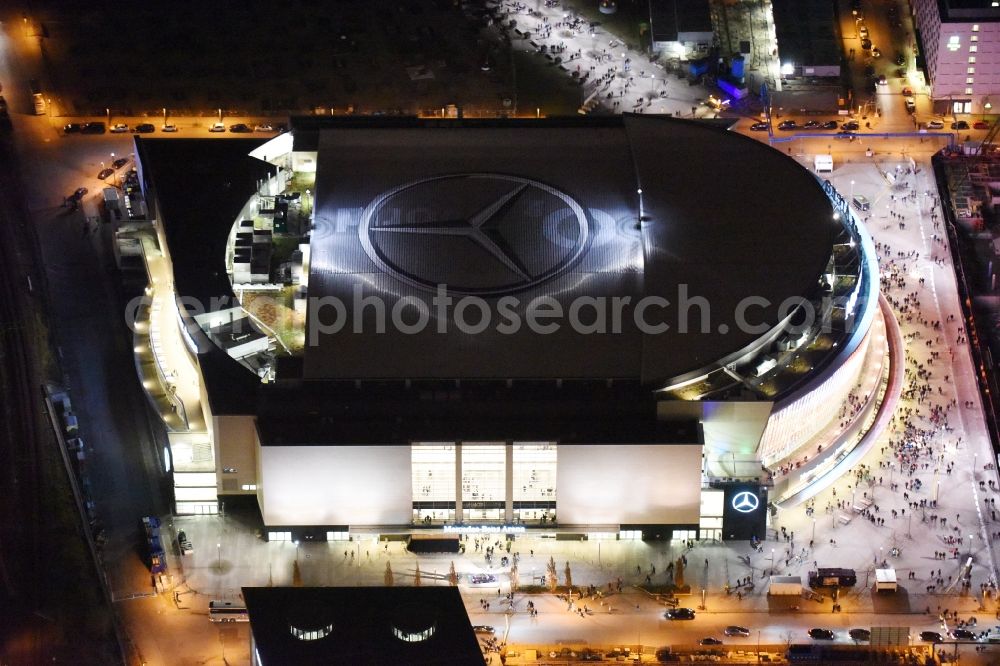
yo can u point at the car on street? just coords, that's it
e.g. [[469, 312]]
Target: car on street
[[74, 199], [679, 614], [960, 125], [907, 92], [144, 128], [483, 629], [92, 128], [844, 134], [934, 124], [850, 125], [119, 163], [788, 125], [866, 44], [980, 124], [860, 634], [240, 128], [811, 124], [263, 128], [911, 104], [882, 80], [931, 637], [217, 127], [963, 634], [710, 641], [876, 52], [734, 630], [105, 173], [169, 128], [900, 59], [758, 127], [821, 634], [830, 125], [118, 128], [71, 128]]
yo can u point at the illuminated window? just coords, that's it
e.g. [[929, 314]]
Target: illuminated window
[[970, 80], [630, 535], [974, 38], [971, 70], [975, 27], [249, 486], [312, 634], [484, 472], [338, 536], [534, 471], [414, 636], [968, 91], [973, 48], [433, 472], [954, 43], [279, 536], [972, 60]]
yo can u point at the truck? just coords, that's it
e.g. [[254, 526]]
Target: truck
[[833, 577], [155, 554]]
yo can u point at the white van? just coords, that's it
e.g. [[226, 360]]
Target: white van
[[861, 203], [824, 164]]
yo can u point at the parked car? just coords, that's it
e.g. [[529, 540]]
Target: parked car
[[217, 127], [900, 59], [876, 52], [935, 124], [960, 125], [882, 80], [105, 173], [240, 128], [679, 614], [710, 641], [263, 128], [860, 634], [931, 637], [910, 103], [483, 629], [118, 128], [758, 127], [821, 634], [811, 124], [963, 634], [830, 125], [850, 125], [144, 128], [788, 125], [980, 124], [169, 128], [92, 128], [907, 92], [866, 44], [734, 630], [72, 128], [119, 163]]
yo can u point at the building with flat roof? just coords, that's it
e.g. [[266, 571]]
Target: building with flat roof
[[959, 41], [422, 626], [479, 318], [680, 27]]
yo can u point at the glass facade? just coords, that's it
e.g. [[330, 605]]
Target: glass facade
[[534, 476], [433, 475], [484, 481]]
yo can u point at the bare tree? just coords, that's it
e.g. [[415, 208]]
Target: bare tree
[[569, 575], [515, 579], [388, 575], [416, 576], [452, 574], [553, 577], [679, 572]]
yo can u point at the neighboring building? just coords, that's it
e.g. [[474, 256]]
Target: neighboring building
[[313, 626], [809, 44], [960, 44], [747, 316], [680, 28]]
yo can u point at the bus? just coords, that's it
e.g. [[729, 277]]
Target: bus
[[227, 611]]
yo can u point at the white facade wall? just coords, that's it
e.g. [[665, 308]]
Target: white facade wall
[[607, 484], [335, 485]]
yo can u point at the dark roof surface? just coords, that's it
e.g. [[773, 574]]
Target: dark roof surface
[[363, 619], [958, 11], [807, 32], [726, 218], [669, 18]]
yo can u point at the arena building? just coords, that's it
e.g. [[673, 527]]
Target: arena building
[[627, 326]]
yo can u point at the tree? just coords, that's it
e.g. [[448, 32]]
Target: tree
[[388, 575], [679, 572], [416, 576], [296, 575], [553, 577], [515, 580], [569, 576], [452, 574]]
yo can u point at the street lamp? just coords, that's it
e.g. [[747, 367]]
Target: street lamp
[[772, 561], [852, 189], [814, 529], [986, 107], [218, 547]]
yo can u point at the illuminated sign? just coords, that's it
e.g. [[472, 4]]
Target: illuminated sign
[[745, 502], [485, 529]]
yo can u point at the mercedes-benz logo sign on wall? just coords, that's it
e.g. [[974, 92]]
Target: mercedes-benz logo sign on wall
[[481, 233], [745, 501]]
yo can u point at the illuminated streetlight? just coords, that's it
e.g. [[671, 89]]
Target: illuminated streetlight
[[218, 547]]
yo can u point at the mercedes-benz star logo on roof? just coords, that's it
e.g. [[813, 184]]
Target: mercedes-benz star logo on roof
[[480, 233], [745, 501]]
